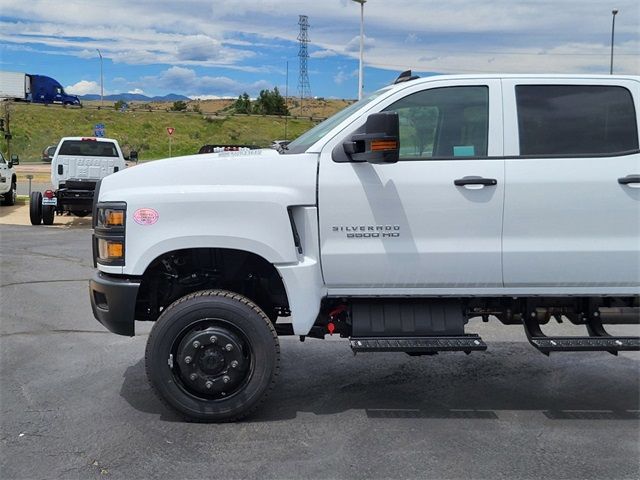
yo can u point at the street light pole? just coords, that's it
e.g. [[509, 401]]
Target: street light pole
[[360, 71], [101, 81], [614, 12]]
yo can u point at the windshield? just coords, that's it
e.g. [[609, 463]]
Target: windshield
[[304, 141]]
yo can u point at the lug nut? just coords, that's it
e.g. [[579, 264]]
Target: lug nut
[[209, 384], [234, 364], [193, 376], [226, 379], [213, 339], [229, 347], [187, 360], [196, 344]]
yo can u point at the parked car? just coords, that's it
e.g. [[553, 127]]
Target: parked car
[[48, 152]]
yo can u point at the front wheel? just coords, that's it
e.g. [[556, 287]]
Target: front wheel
[[213, 356], [10, 197]]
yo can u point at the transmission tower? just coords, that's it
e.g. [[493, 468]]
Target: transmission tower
[[304, 89]]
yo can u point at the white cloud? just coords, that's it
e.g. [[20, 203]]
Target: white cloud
[[137, 91], [83, 87], [343, 76], [323, 54], [452, 36], [187, 80]]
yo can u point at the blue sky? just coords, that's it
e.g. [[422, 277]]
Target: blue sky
[[221, 48]]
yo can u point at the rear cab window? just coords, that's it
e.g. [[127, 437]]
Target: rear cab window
[[88, 148], [571, 120]]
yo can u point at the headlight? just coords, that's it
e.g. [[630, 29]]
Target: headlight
[[109, 233]]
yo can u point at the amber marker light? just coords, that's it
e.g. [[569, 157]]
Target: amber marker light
[[381, 145]]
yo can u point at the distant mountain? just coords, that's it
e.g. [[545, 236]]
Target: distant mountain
[[135, 97]]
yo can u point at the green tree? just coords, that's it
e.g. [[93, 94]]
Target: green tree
[[270, 103], [242, 104], [179, 106]]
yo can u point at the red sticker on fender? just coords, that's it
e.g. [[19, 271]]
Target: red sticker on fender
[[145, 216]]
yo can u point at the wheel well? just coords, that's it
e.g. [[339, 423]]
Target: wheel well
[[180, 272]]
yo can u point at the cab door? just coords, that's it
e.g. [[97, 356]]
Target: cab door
[[572, 203], [433, 220]]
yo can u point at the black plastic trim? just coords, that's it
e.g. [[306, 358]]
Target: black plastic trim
[[113, 301]]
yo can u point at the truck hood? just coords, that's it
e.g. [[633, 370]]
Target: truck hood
[[258, 173]]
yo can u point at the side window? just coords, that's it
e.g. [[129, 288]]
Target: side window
[[575, 120], [444, 123], [2, 160]]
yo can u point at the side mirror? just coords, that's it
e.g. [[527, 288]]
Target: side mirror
[[133, 156], [381, 141], [15, 160]]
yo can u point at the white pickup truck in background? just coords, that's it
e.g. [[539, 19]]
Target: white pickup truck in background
[[77, 165], [8, 180], [426, 204]]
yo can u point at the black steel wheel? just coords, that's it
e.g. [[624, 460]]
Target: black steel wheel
[[48, 212], [213, 356], [35, 208]]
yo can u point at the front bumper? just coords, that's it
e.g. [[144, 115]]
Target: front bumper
[[113, 301]]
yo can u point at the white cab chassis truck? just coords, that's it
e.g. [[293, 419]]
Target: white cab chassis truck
[[8, 180], [77, 165], [393, 223]]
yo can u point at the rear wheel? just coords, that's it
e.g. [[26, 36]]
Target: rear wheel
[[35, 208], [48, 211], [213, 356]]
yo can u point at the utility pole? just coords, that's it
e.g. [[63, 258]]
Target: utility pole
[[360, 70], [7, 127], [614, 12], [286, 102], [101, 81]]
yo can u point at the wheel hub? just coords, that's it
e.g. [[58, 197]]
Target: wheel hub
[[212, 361]]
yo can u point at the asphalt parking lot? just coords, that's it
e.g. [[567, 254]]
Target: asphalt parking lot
[[75, 402]]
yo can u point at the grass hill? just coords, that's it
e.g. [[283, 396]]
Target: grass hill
[[143, 127]]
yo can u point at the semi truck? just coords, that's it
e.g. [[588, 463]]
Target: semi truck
[[34, 88], [433, 201]]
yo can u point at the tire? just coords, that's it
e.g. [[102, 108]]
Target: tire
[[9, 198], [48, 211], [213, 356], [35, 208]]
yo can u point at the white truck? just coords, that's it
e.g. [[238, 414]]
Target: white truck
[[432, 201], [8, 180], [77, 165]]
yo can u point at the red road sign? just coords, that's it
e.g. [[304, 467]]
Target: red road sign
[[170, 130]]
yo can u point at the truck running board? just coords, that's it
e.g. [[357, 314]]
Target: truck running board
[[418, 345], [598, 340]]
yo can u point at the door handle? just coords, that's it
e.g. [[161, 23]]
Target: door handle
[[461, 182], [629, 179]]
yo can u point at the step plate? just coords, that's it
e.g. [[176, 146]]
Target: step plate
[[585, 344], [464, 343]]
